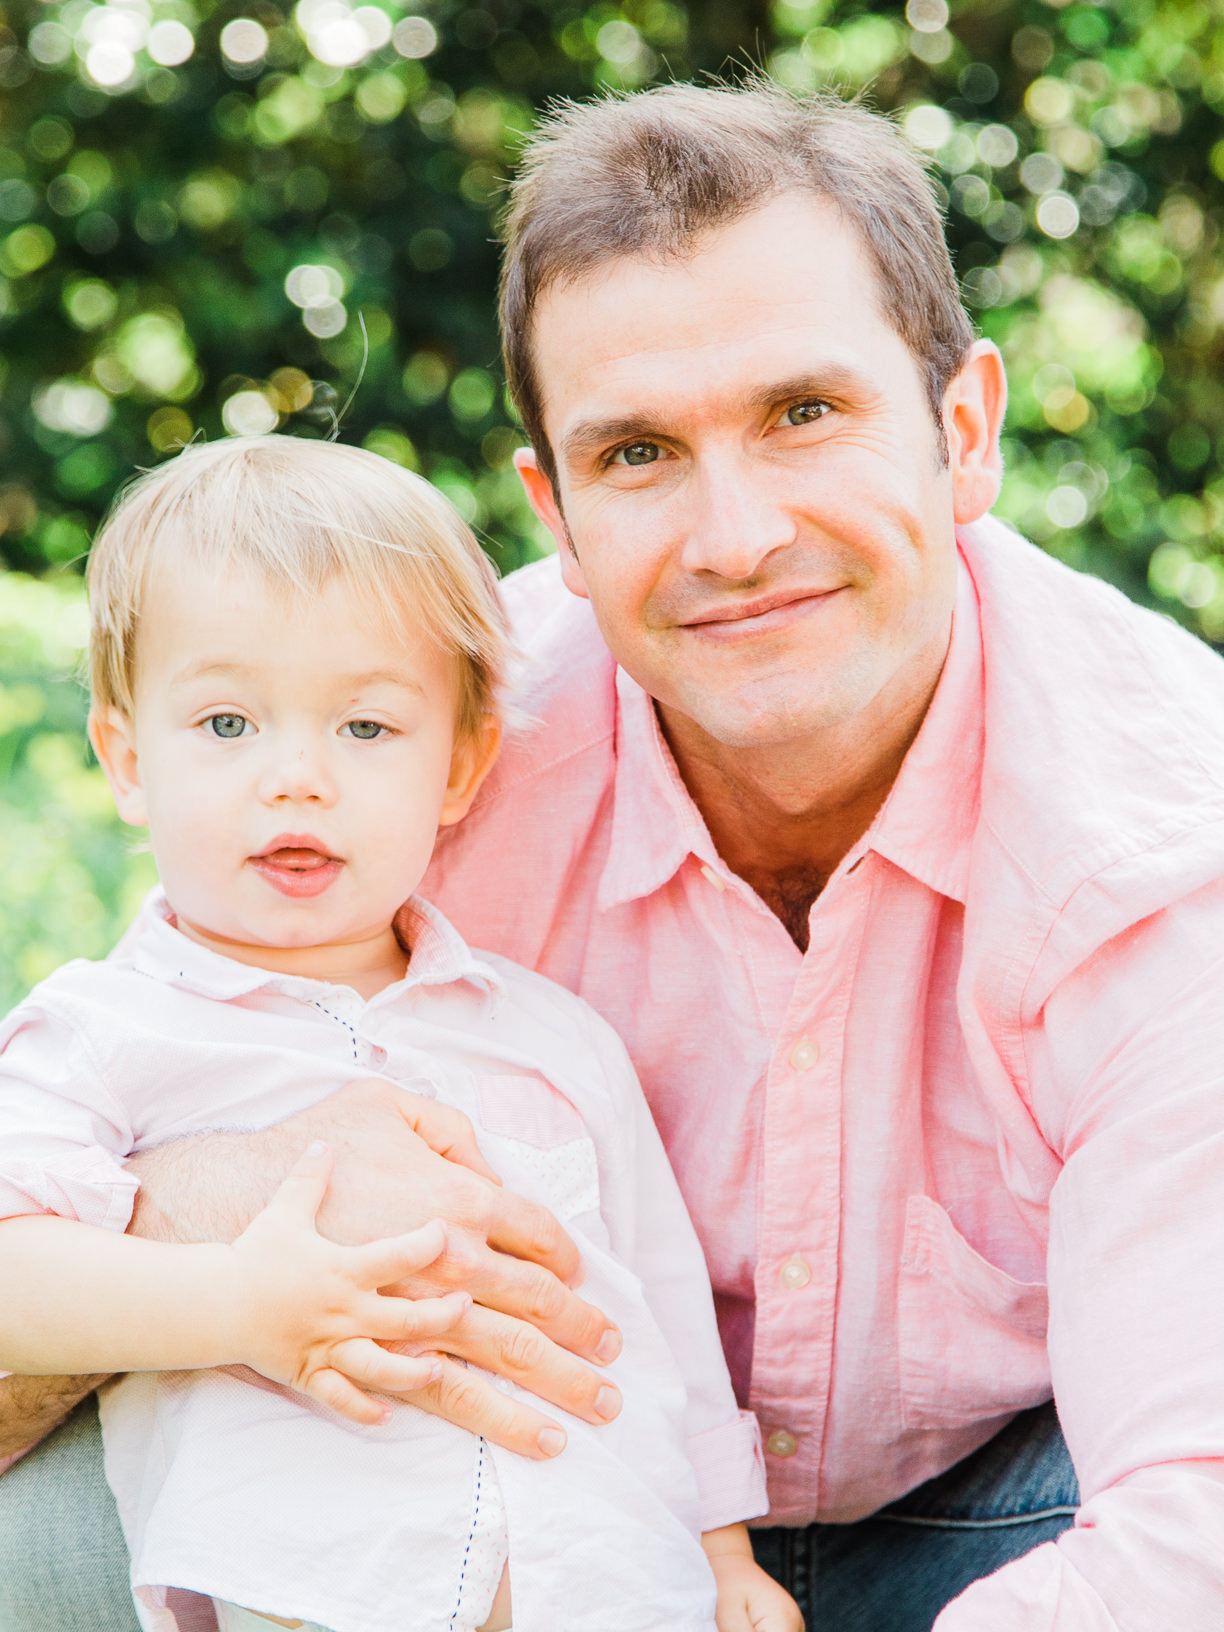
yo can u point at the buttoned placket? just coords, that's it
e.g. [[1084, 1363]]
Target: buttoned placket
[[800, 1207]]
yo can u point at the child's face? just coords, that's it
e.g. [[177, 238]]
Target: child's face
[[292, 759]]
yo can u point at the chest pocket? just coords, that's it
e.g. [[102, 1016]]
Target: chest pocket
[[546, 1139], [972, 1339]]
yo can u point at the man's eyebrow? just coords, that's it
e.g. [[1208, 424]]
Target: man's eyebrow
[[589, 435], [813, 385], [830, 380]]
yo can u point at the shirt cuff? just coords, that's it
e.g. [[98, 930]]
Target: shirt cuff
[[730, 1468], [86, 1183]]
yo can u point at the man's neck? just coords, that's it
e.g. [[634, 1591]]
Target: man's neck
[[783, 816]]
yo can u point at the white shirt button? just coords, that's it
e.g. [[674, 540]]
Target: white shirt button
[[781, 1443], [804, 1055], [795, 1273], [711, 877]]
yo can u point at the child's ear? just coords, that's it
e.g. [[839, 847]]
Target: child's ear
[[471, 762], [114, 741]]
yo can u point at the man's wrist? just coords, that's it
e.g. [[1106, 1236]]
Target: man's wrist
[[31, 1407], [182, 1198]]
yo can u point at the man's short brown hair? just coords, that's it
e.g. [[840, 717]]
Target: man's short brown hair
[[647, 174]]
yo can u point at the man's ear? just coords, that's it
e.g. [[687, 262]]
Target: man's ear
[[114, 741], [471, 762], [543, 501], [973, 409]]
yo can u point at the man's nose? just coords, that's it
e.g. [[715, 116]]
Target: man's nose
[[297, 772], [736, 518]]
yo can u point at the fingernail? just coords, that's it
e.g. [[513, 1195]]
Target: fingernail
[[435, 1371], [607, 1403], [609, 1346], [385, 1418], [551, 1441], [316, 1147]]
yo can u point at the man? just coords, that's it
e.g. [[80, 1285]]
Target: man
[[893, 849]]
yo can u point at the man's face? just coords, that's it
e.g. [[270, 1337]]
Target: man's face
[[752, 483]]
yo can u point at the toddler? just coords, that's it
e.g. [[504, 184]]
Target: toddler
[[295, 653]]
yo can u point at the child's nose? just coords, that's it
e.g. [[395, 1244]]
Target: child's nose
[[298, 774]]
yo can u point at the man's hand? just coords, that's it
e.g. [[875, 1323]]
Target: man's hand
[[307, 1312], [400, 1160]]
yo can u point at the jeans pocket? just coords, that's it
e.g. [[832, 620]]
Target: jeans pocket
[[972, 1340]]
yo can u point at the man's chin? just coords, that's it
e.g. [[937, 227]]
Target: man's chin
[[748, 724]]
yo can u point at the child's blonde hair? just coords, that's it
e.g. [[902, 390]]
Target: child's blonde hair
[[301, 512]]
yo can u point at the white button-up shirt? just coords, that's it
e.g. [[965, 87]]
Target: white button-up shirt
[[232, 1486]]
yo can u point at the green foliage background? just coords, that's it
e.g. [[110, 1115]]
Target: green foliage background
[[199, 200]]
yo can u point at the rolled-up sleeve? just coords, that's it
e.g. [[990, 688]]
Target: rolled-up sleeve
[[1128, 1081], [62, 1135]]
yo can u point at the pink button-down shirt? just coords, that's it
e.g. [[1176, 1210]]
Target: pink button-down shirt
[[990, 1092]]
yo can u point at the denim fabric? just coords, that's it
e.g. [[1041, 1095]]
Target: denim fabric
[[895, 1571], [63, 1566]]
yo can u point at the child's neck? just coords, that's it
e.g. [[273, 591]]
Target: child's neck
[[367, 965]]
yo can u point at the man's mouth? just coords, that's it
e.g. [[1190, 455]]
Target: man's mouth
[[297, 864], [760, 615]]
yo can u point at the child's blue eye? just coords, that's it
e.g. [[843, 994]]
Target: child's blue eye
[[365, 730], [228, 725]]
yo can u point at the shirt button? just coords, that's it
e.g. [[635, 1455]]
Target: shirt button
[[781, 1443], [711, 877], [804, 1055], [795, 1273]]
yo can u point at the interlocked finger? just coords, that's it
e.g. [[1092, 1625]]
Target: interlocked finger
[[371, 1366], [404, 1319], [382, 1262], [466, 1398], [342, 1397]]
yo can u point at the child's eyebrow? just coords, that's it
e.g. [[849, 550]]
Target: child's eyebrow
[[205, 670]]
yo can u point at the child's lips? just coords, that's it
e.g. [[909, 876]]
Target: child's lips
[[297, 871]]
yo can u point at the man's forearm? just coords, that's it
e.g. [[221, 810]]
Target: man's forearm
[[209, 1187], [30, 1407]]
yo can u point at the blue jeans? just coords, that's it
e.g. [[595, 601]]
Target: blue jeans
[[64, 1568], [895, 1571]]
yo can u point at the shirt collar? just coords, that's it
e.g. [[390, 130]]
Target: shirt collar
[[927, 823], [925, 826], [655, 824], [155, 947]]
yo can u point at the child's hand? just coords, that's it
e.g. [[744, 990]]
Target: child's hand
[[748, 1599], [308, 1312]]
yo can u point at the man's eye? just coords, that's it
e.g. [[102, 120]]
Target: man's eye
[[806, 413], [228, 725], [364, 730], [638, 453]]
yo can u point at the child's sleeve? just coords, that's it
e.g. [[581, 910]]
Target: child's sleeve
[[63, 1136], [652, 1233]]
